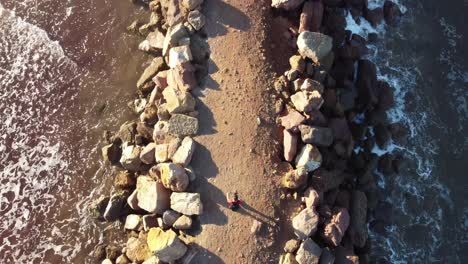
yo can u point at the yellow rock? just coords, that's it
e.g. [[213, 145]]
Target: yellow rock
[[287, 259], [165, 244]]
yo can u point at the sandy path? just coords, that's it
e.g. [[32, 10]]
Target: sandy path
[[233, 155]]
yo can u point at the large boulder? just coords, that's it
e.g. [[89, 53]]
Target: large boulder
[[115, 207], [165, 245], [294, 179], [336, 227], [319, 136], [182, 125], [286, 4], [305, 223], [137, 250], [184, 153], [309, 252], [186, 203], [156, 65], [172, 176], [178, 101], [315, 46], [179, 55], [151, 195], [289, 145], [305, 101], [130, 159], [358, 224], [174, 34], [309, 157]]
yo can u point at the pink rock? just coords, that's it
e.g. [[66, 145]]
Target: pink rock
[[336, 227], [292, 120], [290, 145], [161, 79], [311, 198], [184, 76]]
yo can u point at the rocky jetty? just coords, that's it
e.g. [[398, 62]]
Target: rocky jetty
[[333, 114], [151, 155]]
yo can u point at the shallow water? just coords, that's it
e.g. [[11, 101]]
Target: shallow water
[[425, 60], [67, 70]]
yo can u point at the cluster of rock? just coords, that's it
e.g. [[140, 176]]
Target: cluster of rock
[[152, 154], [332, 113]]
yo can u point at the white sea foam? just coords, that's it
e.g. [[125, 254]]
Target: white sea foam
[[409, 189]]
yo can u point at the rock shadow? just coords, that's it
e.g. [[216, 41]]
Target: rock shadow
[[204, 256], [221, 16]]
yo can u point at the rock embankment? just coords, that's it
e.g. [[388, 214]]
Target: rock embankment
[[152, 154], [332, 115]]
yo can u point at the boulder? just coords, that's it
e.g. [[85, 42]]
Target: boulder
[[172, 176], [111, 153], [324, 180], [319, 136], [308, 252], [170, 216], [297, 63], [312, 85], [392, 13], [366, 83], [290, 145], [137, 250], [130, 159], [311, 198], [315, 46], [336, 227], [183, 77], [305, 223], [147, 154], [132, 201], [124, 180], [327, 257], [98, 207], [156, 65], [151, 195], [149, 221], [179, 55], [127, 132], [305, 101], [292, 245], [132, 222], [115, 207], [145, 131], [309, 157], [122, 259], [186, 203], [286, 4], [165, 245], [155, 40], [161, 153], [191, 4], [385, 96], [174, 34], [311, 16], [183, 222], [184, 153], [196, 19], [183, 125], [292, 120], [178, 101], [150, 114], [358, 224], [294, 179], [287, 258]]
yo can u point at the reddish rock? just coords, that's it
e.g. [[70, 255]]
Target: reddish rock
[[290, 145], [311, 16], [292, 119], [161, 79], [336, 227], [184, 77]]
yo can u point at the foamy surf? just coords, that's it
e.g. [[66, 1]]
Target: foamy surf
[[420, 200]]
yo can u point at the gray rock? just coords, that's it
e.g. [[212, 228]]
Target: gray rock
[[178, 101], [305, 223], [327, 257], [132, 222], [170, 216], [319, 136], [147, 154], [196, 19], [183, 222], [186, 203], [130, 159], [172, 176], [191, 4], [183, 125], [114, 209], [132, 201], [309, 252], [179, 55], [315, 46]]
